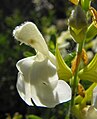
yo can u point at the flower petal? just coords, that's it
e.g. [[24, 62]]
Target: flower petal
[[24, 66], [52, 58], [43, 81], [29, 34], [43, 72], [63, 91], [49, 90], [46, 97], [23, 88], [38, 80]]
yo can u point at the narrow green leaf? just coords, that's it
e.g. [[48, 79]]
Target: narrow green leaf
[[90, 71], [63, 70]]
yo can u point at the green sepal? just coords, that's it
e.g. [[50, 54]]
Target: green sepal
[[78, 36], [91, 32], [85, 4], [64, 72], [90, 71]]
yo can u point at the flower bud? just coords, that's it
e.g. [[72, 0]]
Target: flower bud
[[78, 24]]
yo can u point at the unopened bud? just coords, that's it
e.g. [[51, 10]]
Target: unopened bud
[[78, 24]]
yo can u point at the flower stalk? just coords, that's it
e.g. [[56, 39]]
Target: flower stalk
[[75, 80]]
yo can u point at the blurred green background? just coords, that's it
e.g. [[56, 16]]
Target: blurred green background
[[51, 17]]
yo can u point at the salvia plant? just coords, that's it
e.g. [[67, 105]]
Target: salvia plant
[[46, 80]]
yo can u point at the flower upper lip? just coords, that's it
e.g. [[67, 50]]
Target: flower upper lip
[[29, 34]]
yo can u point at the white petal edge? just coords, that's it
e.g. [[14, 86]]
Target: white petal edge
[[24, 89], [64, 91]]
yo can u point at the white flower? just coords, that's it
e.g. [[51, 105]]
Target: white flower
[[37, 78]]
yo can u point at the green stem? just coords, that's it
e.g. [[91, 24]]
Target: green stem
[[80, 46], [75, 81], [74, 86]]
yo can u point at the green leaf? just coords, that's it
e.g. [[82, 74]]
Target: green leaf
[[63, 70], [85, 4], [32, 117], [90, 71]]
